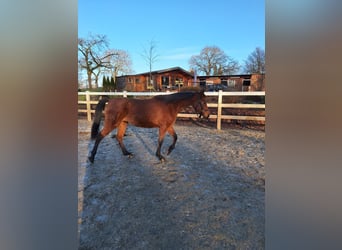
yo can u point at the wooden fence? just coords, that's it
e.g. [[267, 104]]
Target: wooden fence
[[219, 105]]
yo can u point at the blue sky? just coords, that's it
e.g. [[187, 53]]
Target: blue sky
[[179, 28]]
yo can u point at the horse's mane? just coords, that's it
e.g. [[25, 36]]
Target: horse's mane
[[175, 97]]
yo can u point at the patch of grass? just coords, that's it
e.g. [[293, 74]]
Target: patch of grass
[[99, 89], [81, 97]]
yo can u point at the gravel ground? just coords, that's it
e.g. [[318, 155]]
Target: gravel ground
[[209, 194]]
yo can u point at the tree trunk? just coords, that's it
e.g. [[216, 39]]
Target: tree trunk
[[89, 80], [96, 81]]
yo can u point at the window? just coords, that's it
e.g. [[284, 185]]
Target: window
[[165, 80], [246, 82], [136, 80], [179, 81], [231, 83]]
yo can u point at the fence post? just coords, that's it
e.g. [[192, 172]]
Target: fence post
[[125, 94], [88, 106], [219, 109]]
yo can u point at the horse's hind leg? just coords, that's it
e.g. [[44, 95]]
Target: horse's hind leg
[[119, 136], [162, 132], [107, 128], [99, 138], [174, 135]]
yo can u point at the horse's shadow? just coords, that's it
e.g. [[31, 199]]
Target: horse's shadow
[[165, 206], [148, 145]]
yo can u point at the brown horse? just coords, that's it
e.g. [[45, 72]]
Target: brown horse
[[160, 111]]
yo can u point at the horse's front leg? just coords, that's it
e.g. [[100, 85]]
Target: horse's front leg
[[174, 135], [162, 132]]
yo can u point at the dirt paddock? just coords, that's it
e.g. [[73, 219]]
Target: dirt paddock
[[209, 194]]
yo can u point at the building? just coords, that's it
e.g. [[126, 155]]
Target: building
[[175, 78], [242, 82], [166, 79]]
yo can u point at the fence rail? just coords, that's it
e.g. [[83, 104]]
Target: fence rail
[[219, 105]]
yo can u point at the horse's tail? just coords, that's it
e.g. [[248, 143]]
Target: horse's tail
[[98, 115]]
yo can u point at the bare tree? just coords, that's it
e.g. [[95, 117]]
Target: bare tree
[[120, 62], [92, 56], [213, 61], [150, 56], [255, 62]]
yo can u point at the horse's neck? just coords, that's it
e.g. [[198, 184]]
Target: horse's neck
[[185, 103]]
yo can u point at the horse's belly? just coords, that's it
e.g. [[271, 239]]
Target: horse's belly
[[142, 122]]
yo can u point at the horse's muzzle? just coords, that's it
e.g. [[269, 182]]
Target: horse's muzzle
[[205, 114]]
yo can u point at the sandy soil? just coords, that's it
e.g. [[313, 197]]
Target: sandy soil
[[209, 194]]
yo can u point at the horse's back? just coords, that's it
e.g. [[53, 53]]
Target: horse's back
[[146, 113], [116, 104]]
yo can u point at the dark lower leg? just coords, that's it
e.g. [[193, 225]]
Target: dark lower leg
[[107, 128], [158, 154], [123, 148], [162, 133], [174, 135], [96, 144], [119, 136]]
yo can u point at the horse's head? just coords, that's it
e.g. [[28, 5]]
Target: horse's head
[[201, 105]]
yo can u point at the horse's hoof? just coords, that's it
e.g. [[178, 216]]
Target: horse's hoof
[[91, 159], [129, 155]]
